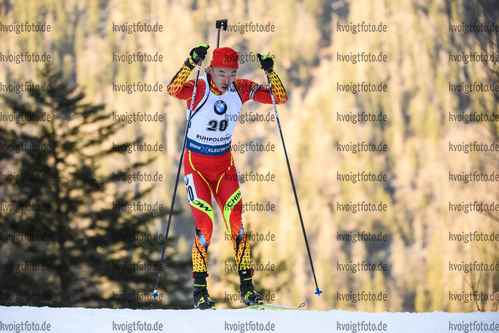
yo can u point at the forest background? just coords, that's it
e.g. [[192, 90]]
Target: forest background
[[422, 237]]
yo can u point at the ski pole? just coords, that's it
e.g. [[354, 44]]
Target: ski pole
[[188, 124], [317, 291], [219, 24]]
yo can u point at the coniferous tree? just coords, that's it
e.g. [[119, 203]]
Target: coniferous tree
[[72, 219]]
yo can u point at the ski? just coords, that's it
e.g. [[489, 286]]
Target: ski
[[264, 306]]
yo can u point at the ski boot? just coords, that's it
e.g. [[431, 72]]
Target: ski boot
[[201, 297], [249, 295]]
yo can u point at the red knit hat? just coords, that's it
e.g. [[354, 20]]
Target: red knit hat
[[225, 57]]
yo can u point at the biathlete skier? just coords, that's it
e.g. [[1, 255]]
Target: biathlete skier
[[208, 162]]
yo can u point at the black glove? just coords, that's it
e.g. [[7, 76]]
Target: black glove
[[266, 62], [199, 52]]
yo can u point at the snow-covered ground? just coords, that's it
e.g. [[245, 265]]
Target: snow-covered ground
[[68, 320]]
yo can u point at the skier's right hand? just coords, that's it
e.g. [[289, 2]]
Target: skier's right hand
[[199, 52]]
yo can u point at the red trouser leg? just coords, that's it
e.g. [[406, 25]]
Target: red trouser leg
[[199, 196], [228, 196], [217, 174]]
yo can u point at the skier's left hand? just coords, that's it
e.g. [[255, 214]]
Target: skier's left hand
[[266, 62]]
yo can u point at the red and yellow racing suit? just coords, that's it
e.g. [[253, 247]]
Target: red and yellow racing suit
[[208, 163]]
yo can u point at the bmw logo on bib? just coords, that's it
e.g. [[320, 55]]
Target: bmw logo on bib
[[220, 107]]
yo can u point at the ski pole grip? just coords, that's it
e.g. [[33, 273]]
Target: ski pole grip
[[221, 24], [198, 61]]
